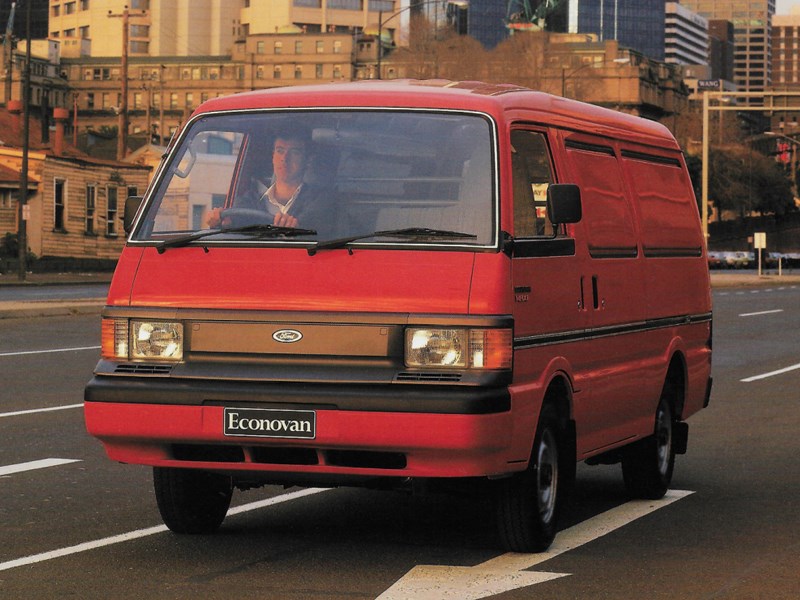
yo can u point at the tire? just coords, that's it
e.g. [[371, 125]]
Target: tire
[[528, 503], [647, 465], [190, 501]]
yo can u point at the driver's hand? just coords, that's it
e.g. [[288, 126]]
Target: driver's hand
[[284, 220]]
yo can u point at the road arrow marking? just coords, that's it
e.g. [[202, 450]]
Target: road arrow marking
[[508, 571], [35, 464]]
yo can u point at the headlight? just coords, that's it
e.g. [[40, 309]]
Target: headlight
[[459, 348], [143, 340]]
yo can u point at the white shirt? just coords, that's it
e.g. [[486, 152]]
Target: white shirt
[[273, 206]]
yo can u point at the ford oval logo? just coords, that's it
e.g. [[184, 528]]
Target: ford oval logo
[[287, 336]]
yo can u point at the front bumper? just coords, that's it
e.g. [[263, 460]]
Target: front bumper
[[361, 431]]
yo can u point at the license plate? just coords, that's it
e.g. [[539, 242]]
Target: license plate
[[270, 423]]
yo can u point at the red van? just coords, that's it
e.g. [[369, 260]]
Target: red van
[[378, 283]]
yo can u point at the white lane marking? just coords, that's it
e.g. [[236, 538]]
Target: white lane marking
[[141, 533], [39, 410], [770, 374], [26, 352], [762, 312], [35, 464], [508, 571]]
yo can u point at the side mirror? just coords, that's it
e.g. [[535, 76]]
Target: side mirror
[[564, 203], [132, 204]]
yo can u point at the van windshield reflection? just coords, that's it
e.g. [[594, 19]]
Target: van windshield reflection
[[328, 179]]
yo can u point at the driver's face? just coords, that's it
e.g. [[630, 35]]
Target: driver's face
[[289, 160]]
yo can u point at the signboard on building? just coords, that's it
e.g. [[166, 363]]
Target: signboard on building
[[708, 84]]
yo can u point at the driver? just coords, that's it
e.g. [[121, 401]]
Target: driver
[[289, 200]]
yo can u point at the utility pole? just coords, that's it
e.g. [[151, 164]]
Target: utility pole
[[22, 237], [122, 134], [8, 46]]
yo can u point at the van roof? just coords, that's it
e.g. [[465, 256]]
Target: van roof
[[516, 102]]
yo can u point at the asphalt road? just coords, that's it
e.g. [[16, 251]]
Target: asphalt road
[[90, 529]]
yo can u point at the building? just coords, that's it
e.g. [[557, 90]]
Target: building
[[571, 65], [636, 24], [76, 201], [721, 49], [163, 91], [786, 72], [752, 24], [202, 27], [686, 39]]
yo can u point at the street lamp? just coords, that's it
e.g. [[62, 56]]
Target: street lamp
[[382, 22], [622, 60]]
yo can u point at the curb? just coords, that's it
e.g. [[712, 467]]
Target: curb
[[29, 310]]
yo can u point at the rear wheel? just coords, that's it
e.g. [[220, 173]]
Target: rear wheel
[[192, 501], [528, 503], [647, 465]]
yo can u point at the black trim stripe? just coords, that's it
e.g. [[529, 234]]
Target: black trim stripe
[[655, 252], [608, 252], [575, 145], [653, 158], [544, 247], [562, 337]]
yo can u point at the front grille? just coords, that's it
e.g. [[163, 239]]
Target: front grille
[[266, 455], [137, 369], [430, 377]]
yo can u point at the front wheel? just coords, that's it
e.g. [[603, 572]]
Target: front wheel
[[191, 501], [528, 503], [647, 465]]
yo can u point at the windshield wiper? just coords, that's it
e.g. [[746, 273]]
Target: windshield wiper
[[259, 230], [411, 232]]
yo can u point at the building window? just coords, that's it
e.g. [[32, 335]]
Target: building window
[[84, 32], [173, 100], [298, 72], [337, 47], [59, 204], [276, 72], [69, 8], [319, 72], [189, 100], [337, 71], [84, 4], [91, 203], [260, 49], [320, 47], [111, 211], [260, 72], [278, 47], [298, 47]]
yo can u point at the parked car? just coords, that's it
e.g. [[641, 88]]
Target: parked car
[[715, 260]]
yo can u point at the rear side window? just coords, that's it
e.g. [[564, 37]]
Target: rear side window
[[611, 232], [668, 208]]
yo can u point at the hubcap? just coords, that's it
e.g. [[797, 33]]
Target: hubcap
[[663, 439], [547, 475]]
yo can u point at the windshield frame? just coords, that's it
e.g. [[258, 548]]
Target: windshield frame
[[170, 163]]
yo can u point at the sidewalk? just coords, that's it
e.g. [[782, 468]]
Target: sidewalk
[[51, 307]]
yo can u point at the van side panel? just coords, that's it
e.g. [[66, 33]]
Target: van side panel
[[620, 359]]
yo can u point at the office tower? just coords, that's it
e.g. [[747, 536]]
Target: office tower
[[637, 24], [685, 37], [752, 23]]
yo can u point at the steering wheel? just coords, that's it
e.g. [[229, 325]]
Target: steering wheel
[[241, 217]]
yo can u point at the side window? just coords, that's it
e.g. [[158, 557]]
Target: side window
[[606, 208], [531, 175]]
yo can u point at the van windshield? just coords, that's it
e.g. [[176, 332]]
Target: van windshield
[[328, 178]]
